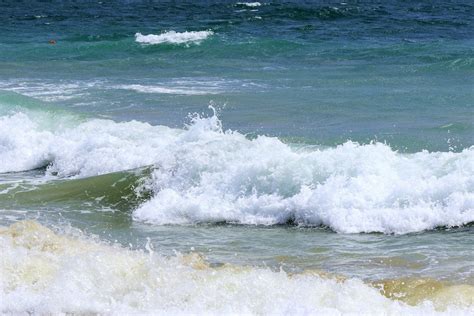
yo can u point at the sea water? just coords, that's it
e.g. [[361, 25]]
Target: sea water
[[230, 157]]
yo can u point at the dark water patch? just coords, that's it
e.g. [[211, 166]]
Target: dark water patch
[[96, 37], [291, 223], [323, 13]]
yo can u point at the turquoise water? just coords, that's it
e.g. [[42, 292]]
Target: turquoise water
[[270, 145], [396, 73]]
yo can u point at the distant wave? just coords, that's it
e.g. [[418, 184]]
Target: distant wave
[[166, 90], [249, 4], [173, 37], [205, 174]]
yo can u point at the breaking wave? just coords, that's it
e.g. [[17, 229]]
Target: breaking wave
[[172, 37], [205, 174], [249, 4]]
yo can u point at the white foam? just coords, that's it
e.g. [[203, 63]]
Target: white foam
[[43, 273], [47, 91], [250, 4], [23, 145], [173, 37], [167, 90], [207, 175]]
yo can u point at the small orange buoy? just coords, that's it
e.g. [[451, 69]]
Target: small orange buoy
[[52, 42]]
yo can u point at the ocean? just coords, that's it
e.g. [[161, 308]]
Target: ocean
[[224, 157]]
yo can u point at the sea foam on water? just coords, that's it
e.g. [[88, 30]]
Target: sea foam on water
[[44, 272]]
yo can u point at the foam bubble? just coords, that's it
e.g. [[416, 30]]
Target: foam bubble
[[42, 272], [205, 174], [173, 37]]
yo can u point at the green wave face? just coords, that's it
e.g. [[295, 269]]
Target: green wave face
[[122, 191]]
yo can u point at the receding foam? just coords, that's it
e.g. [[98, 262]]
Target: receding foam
[[42, 272]]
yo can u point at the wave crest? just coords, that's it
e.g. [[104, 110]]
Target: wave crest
[[173, 37], [249, 4]]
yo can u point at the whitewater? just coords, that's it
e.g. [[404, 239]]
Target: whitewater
[[46, 272], [173, 37], [332, 174], [206, 174]]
